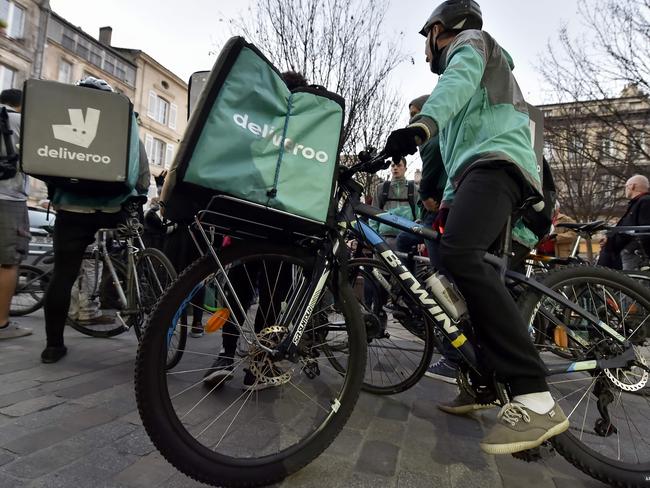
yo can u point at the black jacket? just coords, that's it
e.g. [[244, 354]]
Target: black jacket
[[637, 213]]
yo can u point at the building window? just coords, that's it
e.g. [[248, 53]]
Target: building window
[[7, 77], [15, 16], [158, 109], [68, 40], [156, 150], [95, 57], [65, 71]]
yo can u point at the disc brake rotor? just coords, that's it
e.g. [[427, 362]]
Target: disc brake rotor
[[261, 364], [629, 379]]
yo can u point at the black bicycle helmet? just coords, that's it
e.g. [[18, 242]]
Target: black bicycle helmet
[[455, 15], [92, 82]]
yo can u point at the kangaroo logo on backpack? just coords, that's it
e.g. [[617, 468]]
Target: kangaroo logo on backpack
[[80, 131]]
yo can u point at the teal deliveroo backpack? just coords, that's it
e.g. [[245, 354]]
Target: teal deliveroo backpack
[[262, 157]]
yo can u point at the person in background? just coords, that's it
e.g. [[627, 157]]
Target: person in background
[[78, 219], [624, 251], [14, 219]]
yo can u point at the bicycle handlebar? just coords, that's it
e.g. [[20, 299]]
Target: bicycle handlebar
[[371, 166]]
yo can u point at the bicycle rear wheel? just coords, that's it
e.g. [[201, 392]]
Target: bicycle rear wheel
[[400, 342], [260, 419], [609, 437], [105, 331], [30, 290]]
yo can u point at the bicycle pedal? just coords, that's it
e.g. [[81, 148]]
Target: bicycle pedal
[[545, 451]]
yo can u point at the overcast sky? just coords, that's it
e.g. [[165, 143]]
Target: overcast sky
[[182, 35]]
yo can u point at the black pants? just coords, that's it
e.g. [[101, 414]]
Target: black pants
[[182, 252], [271, 282], [73, 232], [483, 202]]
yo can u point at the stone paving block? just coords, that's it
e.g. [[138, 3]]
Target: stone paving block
[[410, 479], [37, 440], [6, 457], [148, 471], [466, 476], [77, 476], [7, 481], [32, 405], [19, 396], [179, 480], [394, 410], [45, 461], [346, 444], [108, 459], [425, 409], [359, 479], [87, 388], [48, 417], [381, 429], [116, 392], [319, 471], [578, 483], [518, 473], [378, 457], [136, 443], [6, 387], [88, 418]]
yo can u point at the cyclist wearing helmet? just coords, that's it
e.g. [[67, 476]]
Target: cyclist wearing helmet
[[480, 116], [78, 219]]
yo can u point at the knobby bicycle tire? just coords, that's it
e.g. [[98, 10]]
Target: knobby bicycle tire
[[151, 295], [158, 415], [570, 446]]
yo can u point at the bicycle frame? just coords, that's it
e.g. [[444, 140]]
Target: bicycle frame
[[441, 319]]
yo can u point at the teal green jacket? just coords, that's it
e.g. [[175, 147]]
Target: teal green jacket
[[479, 112], [480, 115]]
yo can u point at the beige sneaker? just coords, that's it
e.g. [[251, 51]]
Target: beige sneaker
[[463, 404], [519, 428]]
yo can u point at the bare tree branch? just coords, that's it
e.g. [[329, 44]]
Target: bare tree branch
[[340, 44], [598, 131]]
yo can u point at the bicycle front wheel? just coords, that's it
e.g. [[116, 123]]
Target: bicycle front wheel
[[252, 420], [400, 341], [608, 408]]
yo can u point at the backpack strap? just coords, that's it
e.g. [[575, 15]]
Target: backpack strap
[[411, 197], [6, 132], [383, 195]]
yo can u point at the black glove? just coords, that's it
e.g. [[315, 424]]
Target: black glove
[[404, 141]]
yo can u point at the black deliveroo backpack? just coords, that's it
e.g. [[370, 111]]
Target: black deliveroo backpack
[[260, 157], [410, 196], [82, 140], [8, 155]]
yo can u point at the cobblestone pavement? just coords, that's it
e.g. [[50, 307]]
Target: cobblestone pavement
[[74, 424]]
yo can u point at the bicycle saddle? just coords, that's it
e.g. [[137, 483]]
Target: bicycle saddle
[[586, 228]]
